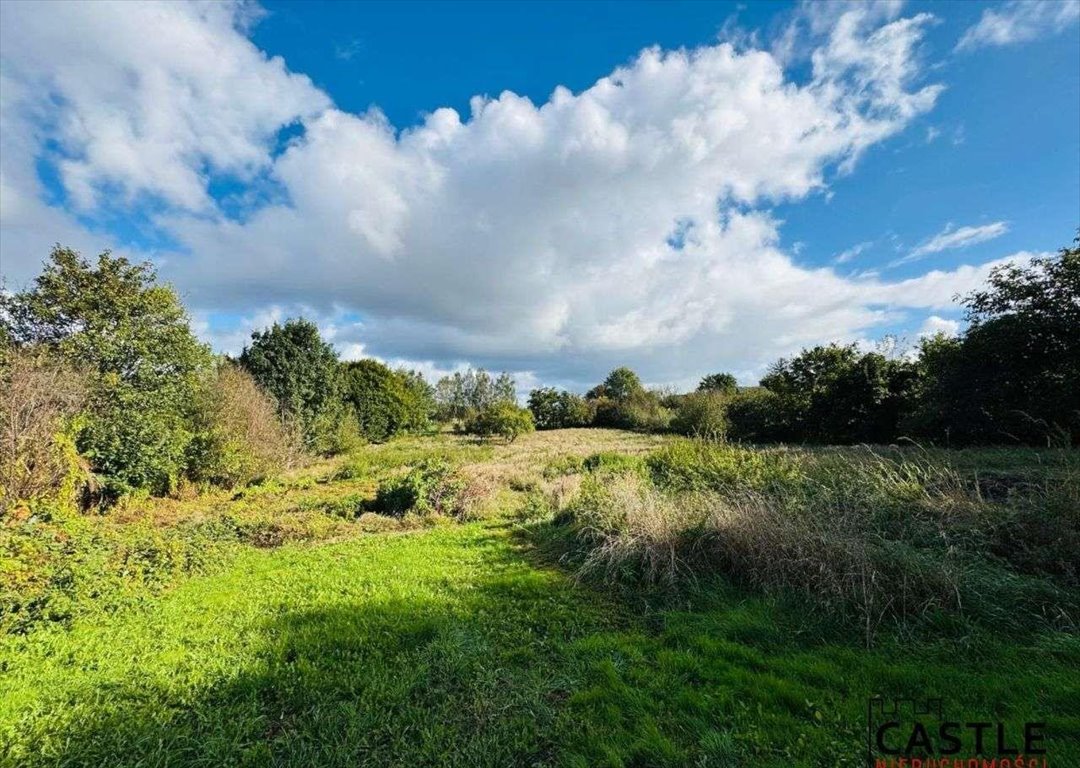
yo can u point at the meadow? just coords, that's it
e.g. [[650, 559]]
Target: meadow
[[576, 597]]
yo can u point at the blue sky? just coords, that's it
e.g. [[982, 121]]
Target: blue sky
[[837, 173]]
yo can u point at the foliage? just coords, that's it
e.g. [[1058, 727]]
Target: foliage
[[703, 414], [264, 654], [294, 364], [620, 385], [467, 392], [1012, 377], [835, 394], [40, 401], [501, 418], [432, 487], [386, 402], [239, 435], [555, 409], [866, 537], [718, 382], [129, 337], [757, 415]]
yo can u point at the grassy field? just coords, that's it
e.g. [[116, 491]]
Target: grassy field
[[313, 633]]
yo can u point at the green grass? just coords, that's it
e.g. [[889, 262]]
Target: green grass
[[468, 645]]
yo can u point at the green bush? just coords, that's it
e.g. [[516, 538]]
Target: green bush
[[702, 414], [502, 418], [386, 402], [432, 487], [612, 462]]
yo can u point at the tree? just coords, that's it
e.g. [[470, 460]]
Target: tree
[[462, 394], [386, 402], [622, 384], [554, 409], [130, 337], [835, 394], [718, 382], [294, 364], [1013, 375]]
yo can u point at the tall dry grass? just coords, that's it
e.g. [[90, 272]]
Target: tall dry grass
[[875, 539]]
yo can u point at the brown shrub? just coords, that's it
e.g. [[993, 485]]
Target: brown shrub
[[38, 401]]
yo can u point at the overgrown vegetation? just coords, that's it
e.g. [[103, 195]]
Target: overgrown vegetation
[[873, 538]]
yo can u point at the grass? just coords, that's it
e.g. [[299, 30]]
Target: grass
[[469, 645]]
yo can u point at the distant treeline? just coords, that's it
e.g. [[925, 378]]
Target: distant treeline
[[107, 391], [1012, 377]]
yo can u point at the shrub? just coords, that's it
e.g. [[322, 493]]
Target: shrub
[[612, 462], [757, 416], [432, 487], [502, 418], [336, 431], [39, 403], [702, 414], [240, 437]]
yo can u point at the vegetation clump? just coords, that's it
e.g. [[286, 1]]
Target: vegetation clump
[[433, 487]]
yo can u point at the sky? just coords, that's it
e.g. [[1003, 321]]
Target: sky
[[552, 189]]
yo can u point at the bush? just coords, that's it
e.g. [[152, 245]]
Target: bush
[[239, 435], [757, 416], [503, 418], [335, 431], [695, 465], [39, 404], [702, 414], [432, 487]]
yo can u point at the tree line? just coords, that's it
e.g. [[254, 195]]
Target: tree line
[[1011, 378], [107, 390]]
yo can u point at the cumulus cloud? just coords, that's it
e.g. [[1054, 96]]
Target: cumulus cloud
[[934, 324], [1019, 21], [952, 238], [628, 223]]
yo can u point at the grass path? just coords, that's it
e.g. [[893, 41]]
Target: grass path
[[451, 646]]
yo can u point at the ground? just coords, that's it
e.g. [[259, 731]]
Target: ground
[[468, 644]]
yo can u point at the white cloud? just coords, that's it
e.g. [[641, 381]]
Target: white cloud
[[952, 238], [934, 324], [1019, 21], [848, 254], [531, 237], [150, 97]]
